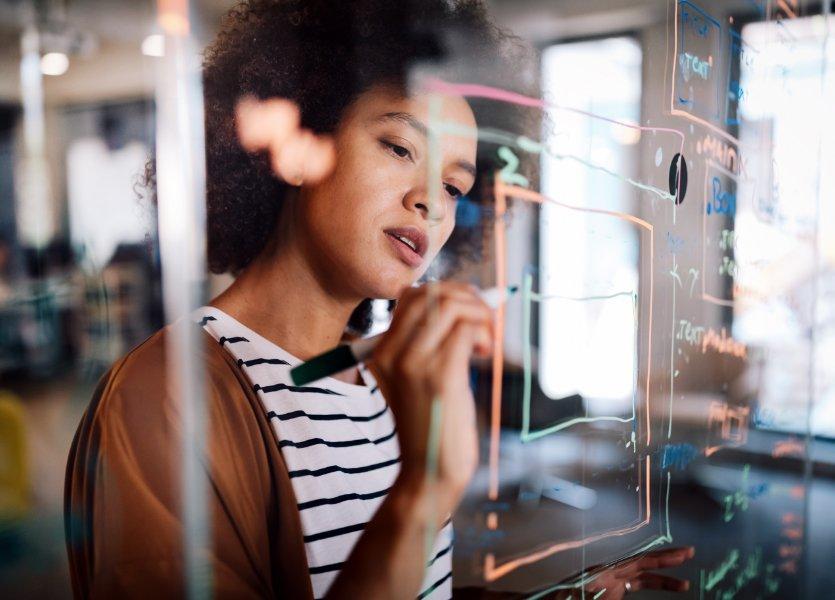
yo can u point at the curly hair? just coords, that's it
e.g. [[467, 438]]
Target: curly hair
[[322, 55]]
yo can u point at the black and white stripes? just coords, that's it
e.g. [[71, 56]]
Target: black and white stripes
[[340, 446]]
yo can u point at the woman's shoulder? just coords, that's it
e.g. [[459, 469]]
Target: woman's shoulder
[[143, 381], [137, 407]]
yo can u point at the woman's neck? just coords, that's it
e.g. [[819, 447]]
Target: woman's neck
[[280, 297]]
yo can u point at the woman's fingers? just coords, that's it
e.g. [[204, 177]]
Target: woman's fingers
[[415, 311], [453, 354], [663, 559], [686, 551], [658, 559], [457, 346], [657, 581], [450, 310]]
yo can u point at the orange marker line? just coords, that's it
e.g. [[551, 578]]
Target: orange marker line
[[498, 338], [493, 571]]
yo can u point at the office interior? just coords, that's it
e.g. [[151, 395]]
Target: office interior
[[81, 283]]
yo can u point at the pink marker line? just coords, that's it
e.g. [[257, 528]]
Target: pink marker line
[[475, 90]]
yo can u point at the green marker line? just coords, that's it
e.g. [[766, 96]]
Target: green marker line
[[543, 298], [672, 357], [543, 432], [433, 450], [584, 579], [527, 297], [527, 285], [598, 594], [498, 136]]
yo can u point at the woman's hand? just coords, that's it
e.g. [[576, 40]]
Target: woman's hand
[[296, 155], [425, 357], [637, 574], [422, 362]]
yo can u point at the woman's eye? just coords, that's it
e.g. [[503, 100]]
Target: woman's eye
[[453, 191], [396, 149]]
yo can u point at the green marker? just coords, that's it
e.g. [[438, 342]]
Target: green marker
[[347, 355]]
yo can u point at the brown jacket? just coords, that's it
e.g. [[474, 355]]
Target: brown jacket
[[122, 498]]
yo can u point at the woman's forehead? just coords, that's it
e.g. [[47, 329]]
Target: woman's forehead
[[415, 109]]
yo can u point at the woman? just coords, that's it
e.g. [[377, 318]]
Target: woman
[[312, 492]]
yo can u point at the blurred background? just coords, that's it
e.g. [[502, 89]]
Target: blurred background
[[80, 284]]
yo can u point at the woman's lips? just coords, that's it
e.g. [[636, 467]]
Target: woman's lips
[[404, 252]]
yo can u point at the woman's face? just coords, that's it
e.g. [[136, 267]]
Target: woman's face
[[371, 228]]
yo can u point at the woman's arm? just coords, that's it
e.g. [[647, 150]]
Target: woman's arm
[[388, 560], [422, 367]]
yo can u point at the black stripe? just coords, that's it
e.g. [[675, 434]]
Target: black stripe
[[333, 417], [261, 361], [333, 532], [205, 320], [439, 555], [349, 470], [434, 586], [232, 340], [326, 568], [374, 389], [277, 387], [342, 498], [343, 444]]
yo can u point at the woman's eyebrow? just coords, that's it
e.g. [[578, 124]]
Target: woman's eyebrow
[[407, 118], [418, 125]]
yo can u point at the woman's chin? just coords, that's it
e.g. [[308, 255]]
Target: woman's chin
[[389, 286]]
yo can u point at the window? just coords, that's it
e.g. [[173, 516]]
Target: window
[[588, 276]]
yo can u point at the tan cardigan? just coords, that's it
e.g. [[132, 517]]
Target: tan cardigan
[[122, 500]]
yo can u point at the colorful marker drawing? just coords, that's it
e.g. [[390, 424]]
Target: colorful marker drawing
[[727, 426], [503, 191]]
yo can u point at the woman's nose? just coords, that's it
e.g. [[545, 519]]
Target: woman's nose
[[431, 209]]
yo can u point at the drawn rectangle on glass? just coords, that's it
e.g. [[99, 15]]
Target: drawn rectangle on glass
[[743, 58], [588, 309], [495, 568], [696, 62]]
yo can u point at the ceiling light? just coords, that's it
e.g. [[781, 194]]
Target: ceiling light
[[54, 63]]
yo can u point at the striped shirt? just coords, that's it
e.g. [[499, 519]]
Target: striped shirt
[[341, 450]]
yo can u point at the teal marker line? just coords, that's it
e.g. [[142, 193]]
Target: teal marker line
[[498, 136], [527, 285], [528, 296], [543, 432], [541, 298], [672, 355], [667, 507], [598, 594], [584, 579], [433, 451], [433, 165]]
